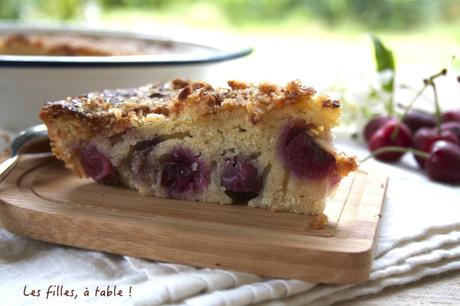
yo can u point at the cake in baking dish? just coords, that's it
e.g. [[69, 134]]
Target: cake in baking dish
[[262, 145], [66, 44]]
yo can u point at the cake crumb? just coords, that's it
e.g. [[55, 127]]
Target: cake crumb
[[318, 221]]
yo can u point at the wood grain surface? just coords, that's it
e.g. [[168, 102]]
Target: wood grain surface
[[42, 200]]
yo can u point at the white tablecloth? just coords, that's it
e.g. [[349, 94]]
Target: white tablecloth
[[419, 236]]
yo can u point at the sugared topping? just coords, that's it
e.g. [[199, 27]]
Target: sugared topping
[[179, 84], [184, 93], [235, 85], [241, 179], [329, 103], [302, 155], [97, 165], [183, 173], [122, 109]]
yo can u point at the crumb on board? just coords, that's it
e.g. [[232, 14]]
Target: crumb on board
[[318, 221]]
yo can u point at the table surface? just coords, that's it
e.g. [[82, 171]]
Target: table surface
[[441, 289]]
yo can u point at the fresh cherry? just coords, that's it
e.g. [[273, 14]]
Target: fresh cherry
[[451, 115], [97, 165], [241, 179], [453, 126], [443, 163], [425, 137], [302, 155], [416, 119], [386, 136], [183, 173], [374, 124]]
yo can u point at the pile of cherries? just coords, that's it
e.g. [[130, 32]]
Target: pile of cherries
[[433, 139]]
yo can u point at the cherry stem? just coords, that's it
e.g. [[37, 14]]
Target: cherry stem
[[411, 104], [391, 149], [430, 82], [418, 93], [395, 133], [438, 108], [390, 106], [426, 83]]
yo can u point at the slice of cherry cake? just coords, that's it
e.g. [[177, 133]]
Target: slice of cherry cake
[[263, 145]]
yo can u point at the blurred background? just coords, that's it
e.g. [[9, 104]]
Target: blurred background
[[419, 31], [320, 42]]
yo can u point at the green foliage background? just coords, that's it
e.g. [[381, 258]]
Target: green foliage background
[[370, 14]]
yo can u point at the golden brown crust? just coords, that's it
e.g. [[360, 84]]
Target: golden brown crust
[[59, 132], [113, 111]]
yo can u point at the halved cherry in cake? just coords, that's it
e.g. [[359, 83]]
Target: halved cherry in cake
[[143, 167], [241, 178], [97, 165], [183, 173], [302, 155]]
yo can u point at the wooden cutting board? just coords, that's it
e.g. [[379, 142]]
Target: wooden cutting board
[[43, 200]]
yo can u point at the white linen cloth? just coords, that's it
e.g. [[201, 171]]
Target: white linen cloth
[[419, 236]]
